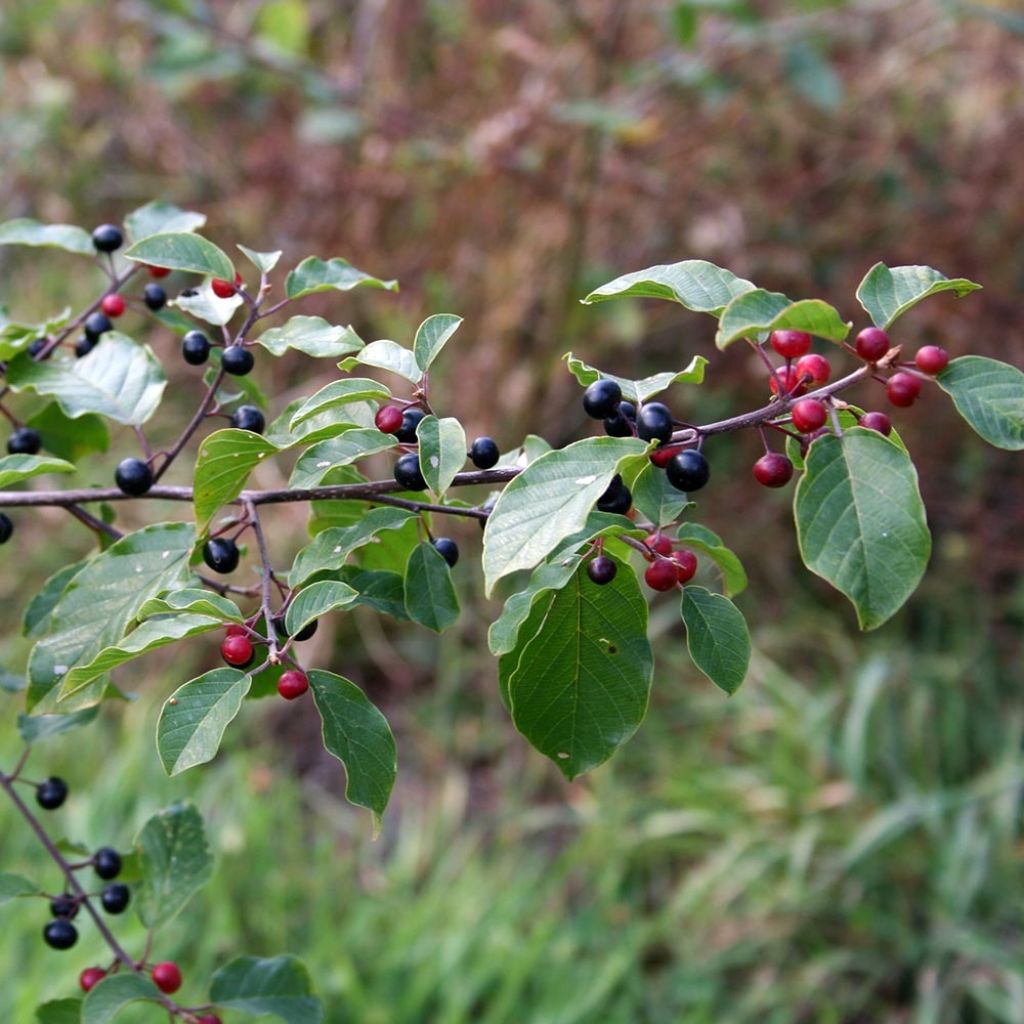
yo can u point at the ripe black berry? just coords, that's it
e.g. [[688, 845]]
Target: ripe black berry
[[195, 348], [688, 470], [106, 862], [602, 570], [51, 793], [483, 453], [654, 422], [107, 238], [408, 474], [303, 634], [65, 906], [36, 347], [447, 549], [96, 324], [60, 934], [221, 554], [84, 346], [616, 498], [601, 399], [154, 296], [406, 433], [133, 476], [24, 441], [620, 425], [248, 417], [115, 898], [237, 361], [6, 528]]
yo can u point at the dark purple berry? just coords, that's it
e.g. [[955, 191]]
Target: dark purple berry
[[447, 549], [602, 399], [107, 238], [24, 441], [654, 422], [602, 570], [133, 476], [51, 793], [688, 470], [483, 453]]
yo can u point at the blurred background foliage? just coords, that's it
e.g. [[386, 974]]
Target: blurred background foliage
[[840, 842]]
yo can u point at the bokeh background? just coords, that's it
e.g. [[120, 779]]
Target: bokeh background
[[842, 840]]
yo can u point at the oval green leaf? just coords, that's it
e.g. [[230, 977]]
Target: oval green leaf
[[182, 250], [279, 987], [312, 335], [756, 313], [716, 636], [316, 275], [442, 451], [114, 993], [315, 600], [15, 468], [25, 231], [225, 460], [432, 335], [989, 395], [337, 394], [888, 292], [430, 596]]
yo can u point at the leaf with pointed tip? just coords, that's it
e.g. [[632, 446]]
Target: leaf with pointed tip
[[312, 335], [888, 292], [60, 1011], [15, 468], [34, 728], [343, 450], [655, 497], [700, 538], [638, 390], [756, 313], [315, 600], [379, 589], [387, 355], [264, 262], [158, 217], [200, 602], [204, 304], [116, 991], [340, 393], [182, 250], [225, 460], [430, 597], [442, 451], [194, 717], [13, 886], [716, 636], [25, 231], [989, 395], [695, 284], [316, 275], [279, 987], [36, 620], [432, 335]]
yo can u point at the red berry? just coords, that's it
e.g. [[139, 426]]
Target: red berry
[[91, 977], [236, 650], [931, 359], [662, 455], [222, 289], [809, 415], [389, 419], [789, 378], [661, 574], [686, 565], [236, 630], [773, 470], [813, 369], [158, 271], [209, 1018], [902, 389], [112, 305], [791, 344], [167, 977], [292, 684], [659, 542], [872, 343], [876, 421]]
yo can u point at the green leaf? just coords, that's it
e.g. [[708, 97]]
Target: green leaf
[[655, 497], [695, 284], [379, 589], [340, 393], [707, 542], [69, 438], [279, 986], [638, 390], [158, 217], [430, 597], [342, 450], [579, 677], [757, 312], [264, 262], [181, 250], [204, 304], [549, 501], [716, 636], [888, 292], [60, 1011], [36, 620], [316, 275], [358, 735], [315, 600], [34, 728], [13, 886], [387, 355], [989, 395], [15, 468], [312, 335], [25, 231], [193, 719], [201, 602], [319, 427], [432, 335], [442, 451], [225, 460], [118, 379], [114, 993], [861, 523], [175, 862]]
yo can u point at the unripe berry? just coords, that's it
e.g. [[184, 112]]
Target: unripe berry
[[24, 441], [209, 1018], [388, 419], [809, 415], [237, 651], [931, 359], [91, 977], [902, 389], [602, 570], [659, 543], [876, 421], [51, 793], [791, 344], [237, 360], [872, 343], [602, 399], [688, 470], [773, 470], [447, 549], [661, 455], [661, 574], [223, 289], [292, 684], [107, 238], [133, 477], [484, 453], [157, 271], [788, 377], [686, 565], [167, 977], [113, 305], [812, 371], [654, 422], [236, 630]]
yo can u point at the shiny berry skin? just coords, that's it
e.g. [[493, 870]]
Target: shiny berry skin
[[115, 898], [406, 433], [812, 371], [654, 422], [686, 565], [388, 419], [292, 684], [809, 415], [248, 417], [662, 574], [789, 379], [688, 470], [902, 389], [36, 347], [195, 348], [106, 862], [871, 344], [90, 978], [221, 554], [408, 473], [790, 344], [237, 651], [931, 359], [133, 477], [447, 549], [618, 426], [616, 498], [659, 542], [602, 570], [24, 441], [65, 906], [602, 399], [661, 456], [96, 324], [84, 346], [876, 421], [167, 977], [107, 238], [223, 289], [154, 297], [6, 528], [237, 361], [113, 305], [484, 453], [60, 934], [773, 470], [236, 630], [307, 631], [157, 271], [51, 793]]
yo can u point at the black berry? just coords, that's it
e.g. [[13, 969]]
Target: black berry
[[84, 346], [406, 433], [6, 528], [36, 347], [96, 324], [24, 441], [221, 554], [248, 417], [616, 498], [617, 426], [602, 570], [60, 934], [688, 470], [303, 634], [133, 476], [447, 549], [601, 399], [65, 906], [195, 348], [51, 793], [408, 474], [107, 238], [154, 297], [237, 361], [483, 453], [654, 422], [115, 898], [106, 862]]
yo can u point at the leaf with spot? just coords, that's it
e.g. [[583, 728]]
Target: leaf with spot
[[182, 250], [316, 275], [432, 335], [343, 450], [756, 313], [225, 460], [430, 597], [989, 395], [716, 636], [442, 451], [642, 390], [888, 292]]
